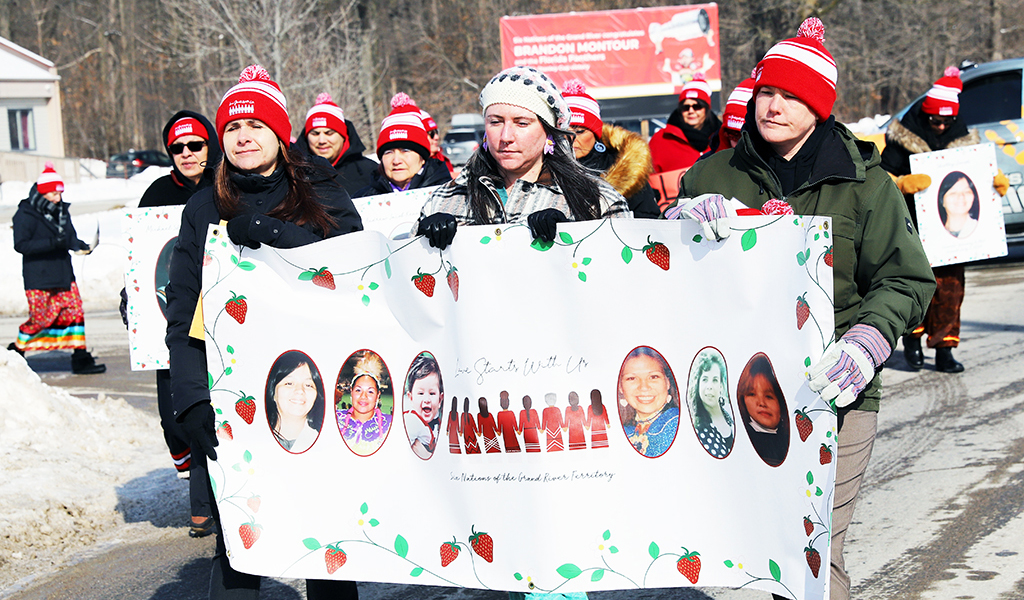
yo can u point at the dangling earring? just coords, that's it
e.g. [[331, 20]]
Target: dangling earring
[[484, 145], [549, 146], [622, 402]]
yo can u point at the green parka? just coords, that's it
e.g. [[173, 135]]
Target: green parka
[[880, 271]]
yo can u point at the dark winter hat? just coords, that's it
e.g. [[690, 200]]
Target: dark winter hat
[[186, 126], [325, 113], [529, 89], [736, 107], [403, 128], [803, 67], [256, 96], [586, 112], [696, 89], [944, 97], [49, 180]]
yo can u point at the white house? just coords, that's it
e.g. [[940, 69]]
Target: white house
[[30, 110]]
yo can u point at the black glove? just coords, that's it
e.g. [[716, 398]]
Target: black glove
[[123, 307], [198, 424], [439, 229], [544, 223]]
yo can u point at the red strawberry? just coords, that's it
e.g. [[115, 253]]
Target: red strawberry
[[828, 256], [689, 565], [207, 258], [250, 532], [825, 454], [246, 408], [803, 311], [657, 253], [254, 503], [334, 558], [813, 560], [236, 307], [808, 525], [323, 278], [224, 431], [803, 425], [482, 544], [453, 283], [424, 282], [449, 552]]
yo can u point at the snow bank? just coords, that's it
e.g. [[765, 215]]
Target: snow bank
[[63, 460], [869, 125]]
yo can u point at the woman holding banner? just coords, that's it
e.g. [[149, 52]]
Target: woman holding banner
[[525, 169], [931, 125], [268, 194], [791, 149]]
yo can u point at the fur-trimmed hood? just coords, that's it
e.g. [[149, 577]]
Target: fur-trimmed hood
[[632, 167], [898, 133]]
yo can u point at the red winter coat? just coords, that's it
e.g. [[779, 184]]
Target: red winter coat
[[670, 150]]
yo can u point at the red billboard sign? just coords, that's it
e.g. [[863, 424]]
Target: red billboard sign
[[619, 53]]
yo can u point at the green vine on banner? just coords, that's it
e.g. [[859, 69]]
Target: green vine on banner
[[570, 571], [803, 259], [773, 570]]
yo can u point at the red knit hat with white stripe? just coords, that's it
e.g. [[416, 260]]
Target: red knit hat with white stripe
[[256, 96], [187, 126], [49, 180], [585, 111], [736, 107], [803, 67], [428, 121], [403, 128], [325, 113], [944, 97], [696, 89]]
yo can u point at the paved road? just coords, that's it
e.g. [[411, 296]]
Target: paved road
[[941, 515]]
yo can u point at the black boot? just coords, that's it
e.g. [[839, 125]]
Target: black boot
[[912, 351], [82, 363], [945, 363], [13, 346]]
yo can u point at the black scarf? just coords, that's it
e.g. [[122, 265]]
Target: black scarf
[[52, 212], [797, 171], [697, 138]]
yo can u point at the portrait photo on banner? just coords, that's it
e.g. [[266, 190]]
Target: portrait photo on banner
[[959, 216]]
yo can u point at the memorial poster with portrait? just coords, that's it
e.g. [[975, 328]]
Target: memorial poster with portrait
[[959, 216], [150, 234], [392, 214], [623, 408]]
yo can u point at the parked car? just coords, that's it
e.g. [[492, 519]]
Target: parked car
[[136, 161], [459, 144], [991, 102]]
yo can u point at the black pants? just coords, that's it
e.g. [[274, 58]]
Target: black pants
[[178, 445]]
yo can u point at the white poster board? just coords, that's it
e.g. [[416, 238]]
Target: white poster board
[[959, 216], [586, 503], [150, 234], [392, 214]]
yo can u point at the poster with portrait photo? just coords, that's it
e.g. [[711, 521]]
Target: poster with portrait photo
[[959, 216], [392, 214], [149, 237]]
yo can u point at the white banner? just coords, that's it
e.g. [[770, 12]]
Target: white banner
[[625, 408], [150, 234], [959, 216], [392, 214]]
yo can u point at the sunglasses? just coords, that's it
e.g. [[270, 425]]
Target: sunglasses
[[941, 121], [432, 133], [180, 147], [689, 107]]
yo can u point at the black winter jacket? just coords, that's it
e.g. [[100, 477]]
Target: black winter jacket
[[625, 163], [434, 172], [260, 195], [45, 263], [175, 188], [355, 170]]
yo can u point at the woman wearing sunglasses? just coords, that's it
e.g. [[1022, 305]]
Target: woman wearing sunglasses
[[690, 129]]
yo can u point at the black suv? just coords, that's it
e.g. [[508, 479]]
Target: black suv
[[993, 103], [136, 161]]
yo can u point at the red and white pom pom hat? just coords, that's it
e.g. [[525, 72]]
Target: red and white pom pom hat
[[696, 89], [187, 126], [326, 114], [736, 106], [49, 180], [803, 67], [403, 128], [585, 111], [256, 96], [944, 97], [428, 121]]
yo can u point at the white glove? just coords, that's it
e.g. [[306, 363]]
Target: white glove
[[712, 211], [849, 365]]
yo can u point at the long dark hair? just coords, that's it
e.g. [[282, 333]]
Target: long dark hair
[[579, 187], [627, 414], [301, 205], [705, 359], [283, 366], [949, 181]]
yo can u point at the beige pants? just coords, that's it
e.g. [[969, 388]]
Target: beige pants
[[856, 438]]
